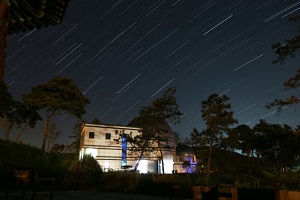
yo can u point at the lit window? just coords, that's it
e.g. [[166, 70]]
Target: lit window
[[106, 165], [92, 152], [143, 166], [107, 136], [91, 135]]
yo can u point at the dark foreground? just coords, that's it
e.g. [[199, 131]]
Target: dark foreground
[[82, 195]]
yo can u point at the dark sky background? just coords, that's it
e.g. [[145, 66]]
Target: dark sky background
[[124, 54]]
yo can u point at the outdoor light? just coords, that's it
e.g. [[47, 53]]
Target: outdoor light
[[106, 165], [92, 152]]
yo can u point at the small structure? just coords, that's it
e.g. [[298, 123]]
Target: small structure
[[185, 153], [102, 142]]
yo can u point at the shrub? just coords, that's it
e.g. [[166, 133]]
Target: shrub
[[84, 174], [120, 181]]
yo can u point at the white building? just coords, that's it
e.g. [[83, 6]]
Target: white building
[[101, 141]]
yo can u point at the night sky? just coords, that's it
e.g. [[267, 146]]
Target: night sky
[[124, 54]]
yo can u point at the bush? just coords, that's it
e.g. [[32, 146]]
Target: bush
[[19, 156], [120, 181], [84, 174]]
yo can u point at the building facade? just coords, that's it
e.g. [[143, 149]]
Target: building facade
[[103, 142]]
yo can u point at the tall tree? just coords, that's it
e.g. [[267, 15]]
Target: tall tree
[[7, 105], [283, 51], [59, 95], [218, 119], [6, 99], [279, 144], [28, 115], [15, 114], [152, 120], [177, 137], [197, 138], [245, 139]]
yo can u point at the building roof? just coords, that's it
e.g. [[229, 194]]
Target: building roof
[[27, 15], [110, 126]]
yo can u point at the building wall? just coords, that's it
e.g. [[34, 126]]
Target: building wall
[[102, 145], [101, 141]]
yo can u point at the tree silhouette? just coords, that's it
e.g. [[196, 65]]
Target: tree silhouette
[[288, 49], [218, 118], [278, 144], [53, 134], [152, 120], [58, 96], [15, 114]]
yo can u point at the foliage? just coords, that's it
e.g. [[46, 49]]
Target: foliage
[[186, 165], [197, 139], [13, 114], [19, 156], [57, 148], [230, 164], [218, 118], [279, 144], [177, 137], [6, 99], [122, 181], [84, 174], [59, 95], [74, 146], [96, 121], [283, 51], [245, 139], [290, 46], [153, 120]]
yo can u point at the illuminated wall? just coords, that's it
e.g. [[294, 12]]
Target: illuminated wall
[[103, 143]]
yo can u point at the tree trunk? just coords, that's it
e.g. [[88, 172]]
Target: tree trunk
[[208, 164], [279, 169], [45, 133], [138, 162], [7, 131], [21, 132], [48, 118], [161, 157], [140, 157]]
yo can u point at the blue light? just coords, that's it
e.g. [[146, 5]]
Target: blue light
[[124, 151]]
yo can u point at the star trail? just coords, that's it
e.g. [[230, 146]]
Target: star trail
[[123, 54]]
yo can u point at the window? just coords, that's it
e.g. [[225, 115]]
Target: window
[[91, 135], [107, 136], [92, 152]]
